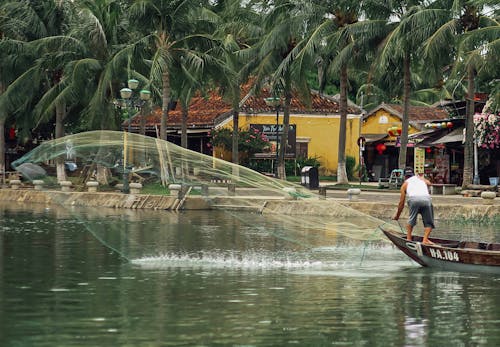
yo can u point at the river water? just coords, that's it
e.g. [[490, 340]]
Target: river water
[[79, 277]]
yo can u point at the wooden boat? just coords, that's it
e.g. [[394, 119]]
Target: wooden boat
[[449, 254]]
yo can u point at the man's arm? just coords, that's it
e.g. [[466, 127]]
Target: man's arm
[[402, 199]]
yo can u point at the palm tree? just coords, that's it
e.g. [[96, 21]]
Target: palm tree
[[169, 31], [400, 48], [237, 28], [471, 38], [283, 26], [28, 24]]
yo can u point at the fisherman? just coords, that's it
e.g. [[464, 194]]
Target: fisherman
[[415, 187]]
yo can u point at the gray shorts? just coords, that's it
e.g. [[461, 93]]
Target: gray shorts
[[422, 206]]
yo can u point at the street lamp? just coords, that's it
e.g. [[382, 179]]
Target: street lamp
[[276, 103], [129, 102]]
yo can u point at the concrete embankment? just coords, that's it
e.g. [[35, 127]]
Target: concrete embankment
[[375, 206]]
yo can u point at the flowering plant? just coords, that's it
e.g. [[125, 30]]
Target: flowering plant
[[487, 130], [250, 141]]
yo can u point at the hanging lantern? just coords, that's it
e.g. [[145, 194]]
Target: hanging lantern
[[380, 148], [428, 150]]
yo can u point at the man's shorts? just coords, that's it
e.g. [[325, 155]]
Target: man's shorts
[[422, 206]]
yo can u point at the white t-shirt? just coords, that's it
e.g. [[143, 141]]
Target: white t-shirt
[[416, 187]]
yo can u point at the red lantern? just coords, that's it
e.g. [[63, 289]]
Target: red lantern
[[428, 150], [380, 148]]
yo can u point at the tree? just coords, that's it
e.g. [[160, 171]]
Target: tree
[[169, 34], [400, 48], [236, 27], [473, 40], [28, 24], [283, 29]]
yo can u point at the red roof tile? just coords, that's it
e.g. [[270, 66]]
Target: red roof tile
[[417, 114], [203, 111]]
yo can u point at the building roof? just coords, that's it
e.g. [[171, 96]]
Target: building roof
[[206, 111], [417, 114]]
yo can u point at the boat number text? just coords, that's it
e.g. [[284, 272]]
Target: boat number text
[[443, 254]]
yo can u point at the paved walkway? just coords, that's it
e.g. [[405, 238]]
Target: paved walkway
[[392, 196]]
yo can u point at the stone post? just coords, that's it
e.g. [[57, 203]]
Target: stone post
[[353, 194], [65, 186], [488, 197], [92, 186], [135, 188], [15, 184], [38, 184], [175, 190]]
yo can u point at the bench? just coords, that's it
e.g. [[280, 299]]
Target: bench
[[443, 189]]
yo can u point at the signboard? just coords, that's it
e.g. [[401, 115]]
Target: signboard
[[419, 159], [273, 131]]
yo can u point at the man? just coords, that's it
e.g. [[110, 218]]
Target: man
[[419, 202]]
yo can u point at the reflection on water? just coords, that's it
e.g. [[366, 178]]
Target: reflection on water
[[142, 278]]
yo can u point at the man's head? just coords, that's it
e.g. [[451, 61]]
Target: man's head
[[408, 172]]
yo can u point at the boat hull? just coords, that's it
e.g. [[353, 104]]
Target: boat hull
[[449, 255]]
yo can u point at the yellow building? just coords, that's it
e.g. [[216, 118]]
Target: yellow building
[[315, 125], [381, 128], [315, 128]]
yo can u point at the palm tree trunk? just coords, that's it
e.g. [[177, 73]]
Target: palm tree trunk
[[59, 132], [284, 134], [235, 154], [3, 117], [469, 129], [184, 126], [165, 105], [144, 112], [2, 144], [341, 166], [406, 108]]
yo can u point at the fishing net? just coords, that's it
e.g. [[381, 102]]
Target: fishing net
[[117, 159]]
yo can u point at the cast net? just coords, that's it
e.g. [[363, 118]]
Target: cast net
[[119, 159]]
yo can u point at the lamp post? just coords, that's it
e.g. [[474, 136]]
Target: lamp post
[[276, 103], [129, 102]]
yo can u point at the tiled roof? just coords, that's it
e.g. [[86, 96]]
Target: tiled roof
[[203, 111], [417, 114], [320, 104]]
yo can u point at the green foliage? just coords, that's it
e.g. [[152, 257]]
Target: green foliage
[[261, 165], [249, 141], [350, 163]]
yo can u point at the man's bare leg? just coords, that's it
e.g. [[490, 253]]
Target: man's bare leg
[[409, 230], [425, 239]]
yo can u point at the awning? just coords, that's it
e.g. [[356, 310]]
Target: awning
[[373, 137], [426, 138], [456, 135]]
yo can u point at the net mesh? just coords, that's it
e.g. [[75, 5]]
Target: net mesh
[[113, 158]]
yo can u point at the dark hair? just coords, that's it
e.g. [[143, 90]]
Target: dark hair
[[408, 172]]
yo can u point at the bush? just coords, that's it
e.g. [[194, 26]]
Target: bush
[[249, 141], [350, 163]]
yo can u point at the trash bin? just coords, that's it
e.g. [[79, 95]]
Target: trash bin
[[309, 177], [493, 181]]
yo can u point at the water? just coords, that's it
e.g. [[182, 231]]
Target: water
[[135, 278]]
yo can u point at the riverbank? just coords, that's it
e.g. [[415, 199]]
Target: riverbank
[[377, 204]]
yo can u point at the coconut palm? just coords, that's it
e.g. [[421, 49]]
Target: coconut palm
[[236, 27], [400, 49], [336, 43], [283, 30], [169, 33], [472, 39], [26, 24]]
